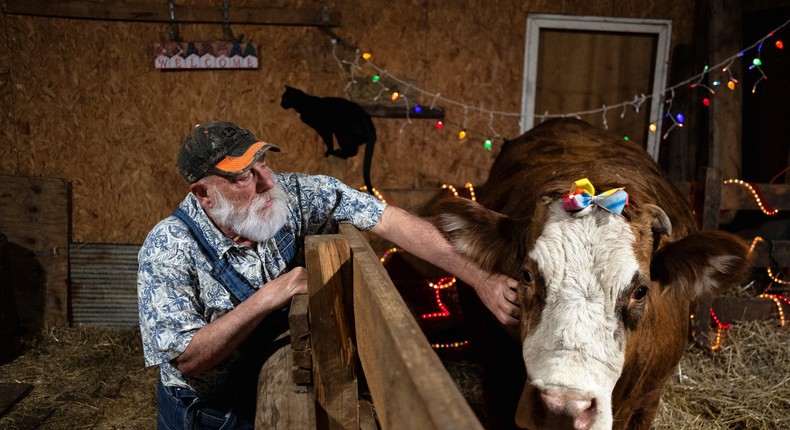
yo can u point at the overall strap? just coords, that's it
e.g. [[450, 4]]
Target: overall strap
[[284, 241], [236, 284]]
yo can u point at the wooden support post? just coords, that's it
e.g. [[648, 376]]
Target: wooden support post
[[410, 387], [329, 270], [707, 201], [281, 404], [726, 114]]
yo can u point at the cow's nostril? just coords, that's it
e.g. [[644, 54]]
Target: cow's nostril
[[568, 410]]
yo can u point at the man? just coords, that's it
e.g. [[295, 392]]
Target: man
[[215, 276]]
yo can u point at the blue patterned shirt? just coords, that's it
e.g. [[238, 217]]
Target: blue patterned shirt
[[177, 294]]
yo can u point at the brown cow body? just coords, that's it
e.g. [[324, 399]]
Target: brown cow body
[[604, 297]]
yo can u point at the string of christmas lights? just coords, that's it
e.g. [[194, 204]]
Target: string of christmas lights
[[756, 194], [719, 329], [441, 284], [777, 299], [677, 119]]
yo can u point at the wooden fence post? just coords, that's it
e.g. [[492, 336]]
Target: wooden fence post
[[328, 259]]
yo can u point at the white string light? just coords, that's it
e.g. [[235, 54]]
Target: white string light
[[636, 102]]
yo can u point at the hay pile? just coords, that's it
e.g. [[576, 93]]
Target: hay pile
[[89, 378], [745, 385], [83, 378]]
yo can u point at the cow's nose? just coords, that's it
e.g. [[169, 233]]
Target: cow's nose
[[568, 409]]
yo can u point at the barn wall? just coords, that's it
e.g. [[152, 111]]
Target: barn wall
[[81, 99]]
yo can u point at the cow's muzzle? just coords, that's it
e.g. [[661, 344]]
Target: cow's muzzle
[[555, 408]]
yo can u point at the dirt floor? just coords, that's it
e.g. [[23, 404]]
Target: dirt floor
[[89, 378]]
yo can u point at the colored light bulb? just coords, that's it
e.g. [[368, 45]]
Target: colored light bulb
[[439, 125], [366, 56], [417, 109], [680, 118], [376, 78], [653, 127], [487, 144], [626, 138], [779, 44], [706, 101], [394, 96], [462, 135], [757, 62], [731, 84]]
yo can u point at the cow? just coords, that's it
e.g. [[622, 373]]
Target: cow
[[606, 280]]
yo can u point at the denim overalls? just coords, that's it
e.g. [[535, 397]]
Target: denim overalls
[[181, 408]]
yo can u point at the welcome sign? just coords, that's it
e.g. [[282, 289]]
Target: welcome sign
[[205, 55]]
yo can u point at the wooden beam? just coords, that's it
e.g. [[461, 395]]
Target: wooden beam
[[410, 387], [328, 260], [161, 13], [735, 196]]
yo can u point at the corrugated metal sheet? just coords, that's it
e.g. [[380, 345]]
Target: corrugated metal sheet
[[104, 284]]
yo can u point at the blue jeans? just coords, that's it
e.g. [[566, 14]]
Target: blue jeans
[[181, 409]]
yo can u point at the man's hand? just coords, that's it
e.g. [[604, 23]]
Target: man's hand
[[500, 295], [286, 286], [216, 341]]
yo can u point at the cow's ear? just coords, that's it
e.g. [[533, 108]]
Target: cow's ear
[[486, 237], [702, 263]]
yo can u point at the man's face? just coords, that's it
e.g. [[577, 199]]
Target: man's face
[[250, 204]]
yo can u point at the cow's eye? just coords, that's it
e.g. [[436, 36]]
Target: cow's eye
[[526, 277], [641, 293]]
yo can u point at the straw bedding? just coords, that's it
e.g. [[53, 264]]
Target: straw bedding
[[90, 378]]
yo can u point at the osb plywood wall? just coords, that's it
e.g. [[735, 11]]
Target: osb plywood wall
[[81, 99]]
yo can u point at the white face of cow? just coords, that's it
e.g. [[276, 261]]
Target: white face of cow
[[592, 282], [575, 353]]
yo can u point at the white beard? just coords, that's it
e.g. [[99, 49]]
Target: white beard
[[254, 222]]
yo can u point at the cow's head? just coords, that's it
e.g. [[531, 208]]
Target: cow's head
[[596, 289]]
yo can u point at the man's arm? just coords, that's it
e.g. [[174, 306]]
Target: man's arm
[[422, 239], [217, 340]]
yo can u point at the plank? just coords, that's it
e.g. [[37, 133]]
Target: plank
[[299, 326], [35, 217], [11, 393], [328, 260], [734, 196], [408, 383], [281, 404], [741, 309], [160, 12]]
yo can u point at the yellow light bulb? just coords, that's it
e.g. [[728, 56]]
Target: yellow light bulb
[[366, 56], [653, 127], [462, 134], [394, 96]]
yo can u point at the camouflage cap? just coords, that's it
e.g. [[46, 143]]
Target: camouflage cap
[[219, 147]]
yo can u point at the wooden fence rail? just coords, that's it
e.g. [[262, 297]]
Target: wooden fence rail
[[358, 325]]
